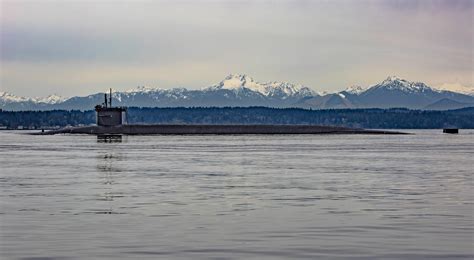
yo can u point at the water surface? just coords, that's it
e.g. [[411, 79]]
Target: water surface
[[237, 197]]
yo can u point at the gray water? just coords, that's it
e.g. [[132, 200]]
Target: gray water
[[237, 197]]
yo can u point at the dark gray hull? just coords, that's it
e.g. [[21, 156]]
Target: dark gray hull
[[212, 130]]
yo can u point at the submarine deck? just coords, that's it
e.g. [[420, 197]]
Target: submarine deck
[[212, 130]]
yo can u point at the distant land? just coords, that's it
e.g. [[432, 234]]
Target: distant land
[[397, 118], [242, 91]]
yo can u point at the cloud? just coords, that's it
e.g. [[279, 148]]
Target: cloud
[[327, 45]]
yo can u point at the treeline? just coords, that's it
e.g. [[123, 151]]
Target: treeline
[[365, 118], [45, 119]]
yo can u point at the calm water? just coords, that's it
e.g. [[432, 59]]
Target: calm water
[[237, 197]]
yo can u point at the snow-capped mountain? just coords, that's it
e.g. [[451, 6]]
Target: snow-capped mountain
[[10, 98], [51, 99], [397, 92], [242, 90], [239, 83], [233, 90], [396, 83], [355, 90], [12, 102], [391, 92]]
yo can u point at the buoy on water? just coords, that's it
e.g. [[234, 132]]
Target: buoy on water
[[450, 130]]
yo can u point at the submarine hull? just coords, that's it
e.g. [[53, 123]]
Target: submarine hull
[[212, 130]]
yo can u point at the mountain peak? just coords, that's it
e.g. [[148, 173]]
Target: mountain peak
[[6, 97], [394, 79], [238, 76], [51, 99], [239, 82], [355, 89], [10, 98], [399, 84]]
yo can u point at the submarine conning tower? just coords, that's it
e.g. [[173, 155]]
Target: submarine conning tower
[[107, 115]]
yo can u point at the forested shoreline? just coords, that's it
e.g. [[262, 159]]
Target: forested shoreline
[[365, 118]]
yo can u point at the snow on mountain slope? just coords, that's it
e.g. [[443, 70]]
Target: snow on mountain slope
[[397, 83], [397, 92], [51, 99], [142, 89], [391, 83], [355, 90], [238, 82], [152, 92], [10, 98], [391, 92], [242, 90]]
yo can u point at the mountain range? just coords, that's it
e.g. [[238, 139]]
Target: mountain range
[[242, 91]]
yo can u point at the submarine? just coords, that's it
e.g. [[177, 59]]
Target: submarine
[[112, 120]]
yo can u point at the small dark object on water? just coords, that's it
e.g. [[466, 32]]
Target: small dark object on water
[[450, 130], [109, 138]]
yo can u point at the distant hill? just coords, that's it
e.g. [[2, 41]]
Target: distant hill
[[334, 101], [243, 91], [447, 104]]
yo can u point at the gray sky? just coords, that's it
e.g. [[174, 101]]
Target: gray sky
[[82, 47]]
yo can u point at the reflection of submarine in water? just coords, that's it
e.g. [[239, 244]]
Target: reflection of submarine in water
[[112, 121]]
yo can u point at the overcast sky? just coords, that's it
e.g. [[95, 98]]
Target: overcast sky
[[82, 47]]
